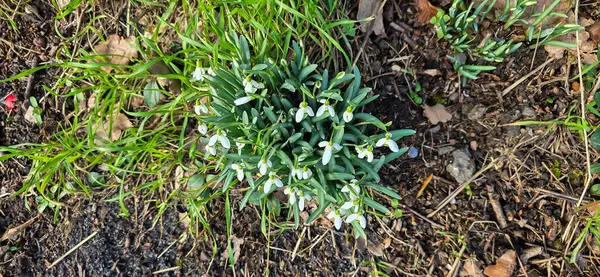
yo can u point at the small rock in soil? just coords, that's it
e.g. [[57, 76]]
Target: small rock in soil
[[528, 112], [445, 150], [463, 166], [473, 145], [477, 112]]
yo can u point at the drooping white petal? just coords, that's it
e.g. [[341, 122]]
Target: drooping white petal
[[224, 141], [211, 149], [369, 156], [309, 111], [287, 191], [269, 163], [292, 199], [301, 204], [338, 222], [330, 110], [346, 189], [392, 145], [202, 128], [258, 85], [326, 155], [323, 143], [363, 221], [362, 154], [321, 110], [380, 142], [351, 218], [235, 166], [213, 140], [268, 184], [331, 215], [348, 116], [240, 174], [278, 182], [242, 100], [337, 147], [299, 115], [306, 173], [347, 206]]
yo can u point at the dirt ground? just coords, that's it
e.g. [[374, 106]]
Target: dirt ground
[[523, 201]]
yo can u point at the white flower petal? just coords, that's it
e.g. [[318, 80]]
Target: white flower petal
[[331, 215], [213, 140], [348, 116], [235, 166], [269, 163], [197, 109], [292, 198], [321, 110], [240, 174], [392, 145], [363, 221], [301, 204], [348, 205], [299, 115], [331, 110], [337, 147], [287, 191], [351, 218], [345, 189], [242, 100], [309, 111], [268, 184], [380, 142], [278, 182], [224, 141], [338, 222], [202, 128], [323, 143], [369, 156], [326, 156]]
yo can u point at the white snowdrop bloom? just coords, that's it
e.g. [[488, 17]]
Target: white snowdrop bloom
[[263, 165], [297, 172], [336, 216], [357, 217], [201, 109], [325, 107], [353, 204], [240, 145], [306, 173], [329, 147], [210, 149], [211, 72], [352, 187], [291, 193], [302, 196], [220, 136], [273, 180], [239, 169], [202, 128], [387, 141], [198, 75], [365, 152], [348, 115], [251, 86], [304, 109], [242, 100]]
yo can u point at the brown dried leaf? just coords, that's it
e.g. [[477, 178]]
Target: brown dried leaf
[[367, 8], [471, 269], [237, 247], [425, 11], [436, 114], [594, 31], [375, 249], [121, 123], [118, 50], [504, 267], [387, 242]]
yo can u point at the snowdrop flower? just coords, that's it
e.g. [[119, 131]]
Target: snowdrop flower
[[263, 165], [240, 145], [200, 109], [304, 109], [325, 107], [220, 136], [365, 152], [336, 216], [210, 72], [301, 197], [348, 116], [353, 186], [251, 86], [239, 169], [291, 193], [273, 180], [329, 147], [387, 141], [357, 217], [198, 75], [211, 149], [297, 172], [242, 100], [202, 128], [351, 204], [306, 173]]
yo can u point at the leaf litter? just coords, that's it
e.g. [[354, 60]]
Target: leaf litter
[[117, 50]]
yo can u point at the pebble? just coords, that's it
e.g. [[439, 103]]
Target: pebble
[[462, 167], [477, 112], [445, 150], [528, 112], [473, 145]]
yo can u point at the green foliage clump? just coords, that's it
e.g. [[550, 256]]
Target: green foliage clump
[[293, 126]]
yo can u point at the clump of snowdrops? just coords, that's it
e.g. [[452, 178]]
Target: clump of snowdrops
[[294, 127]]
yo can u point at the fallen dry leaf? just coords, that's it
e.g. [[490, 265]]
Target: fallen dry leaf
[[236, 249], [387, 242], [376, 249], [160, 68], [436, 113], [586, 46], [121, 123], [118, 50], [471, 268], [504, 267], [12, 232], [425, 11], [594, 31], [368, 8]]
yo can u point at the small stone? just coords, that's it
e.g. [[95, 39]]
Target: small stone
[[528, 112], [463, 167], [445, 150], [473, 145], [477, 112]]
